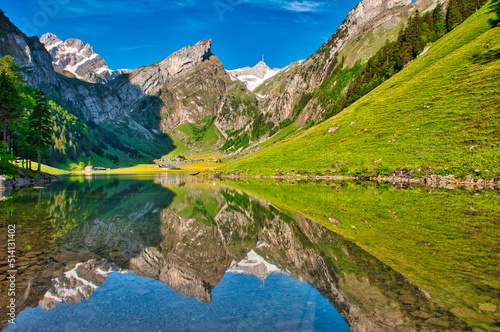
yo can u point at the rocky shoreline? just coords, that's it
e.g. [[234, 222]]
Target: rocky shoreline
[[21, 181], [399, 178]]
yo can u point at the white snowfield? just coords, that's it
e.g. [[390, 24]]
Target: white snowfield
[[253, 77]]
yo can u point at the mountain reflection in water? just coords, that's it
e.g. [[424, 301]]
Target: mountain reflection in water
[[99, 242]]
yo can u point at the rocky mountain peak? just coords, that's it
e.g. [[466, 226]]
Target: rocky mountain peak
[[149, 79], [28, 53], [195, 53], [50, 40], [78, 58]]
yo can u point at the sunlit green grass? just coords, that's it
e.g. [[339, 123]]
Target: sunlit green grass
[[442, 112], [285, 132], [47, 169]]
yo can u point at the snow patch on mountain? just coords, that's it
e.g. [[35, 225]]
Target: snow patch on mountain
[[253, 77], [79, 58]]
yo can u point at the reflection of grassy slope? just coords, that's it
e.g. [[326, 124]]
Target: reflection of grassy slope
[[200, 201], [446, 242], [442, 110]]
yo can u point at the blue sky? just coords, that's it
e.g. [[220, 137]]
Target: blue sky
[[133, 33]]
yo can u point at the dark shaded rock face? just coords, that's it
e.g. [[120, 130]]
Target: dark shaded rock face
[[29, 53]]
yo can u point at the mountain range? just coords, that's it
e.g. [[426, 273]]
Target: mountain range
[[189, 103]]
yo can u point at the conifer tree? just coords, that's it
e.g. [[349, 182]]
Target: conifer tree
[[9, 103], [453, 15], [40, 123]]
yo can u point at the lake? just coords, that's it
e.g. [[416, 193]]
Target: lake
[[171, 252]]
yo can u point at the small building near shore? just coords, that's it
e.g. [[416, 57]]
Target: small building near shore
[[92, 168]]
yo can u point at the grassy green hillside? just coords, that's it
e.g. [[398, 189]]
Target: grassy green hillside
[[440, 112]]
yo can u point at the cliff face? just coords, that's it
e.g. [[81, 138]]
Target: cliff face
[[125, 94], [29, 53]]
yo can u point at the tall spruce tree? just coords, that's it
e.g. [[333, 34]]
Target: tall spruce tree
[[453, 15], [40, 124], [10, 101]]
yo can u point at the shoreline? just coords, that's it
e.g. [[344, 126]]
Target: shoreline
[[8, 185], [433, 181]]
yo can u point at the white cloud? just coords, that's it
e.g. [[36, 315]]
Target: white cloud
[[304, 6], [301, 6]]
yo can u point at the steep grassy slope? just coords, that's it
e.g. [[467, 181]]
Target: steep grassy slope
[[440, 114]]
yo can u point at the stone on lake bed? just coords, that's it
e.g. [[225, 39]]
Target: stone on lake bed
[[439, 321], [464, 313], [488, 307]]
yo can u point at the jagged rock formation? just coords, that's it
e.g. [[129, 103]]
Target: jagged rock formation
[[255, 76], [186, 87], [128, 93], [79, 59]]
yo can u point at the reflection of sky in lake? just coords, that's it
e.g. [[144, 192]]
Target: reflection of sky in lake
[[127, 302]]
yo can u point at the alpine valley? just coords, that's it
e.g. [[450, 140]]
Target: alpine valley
[[189, 103]]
